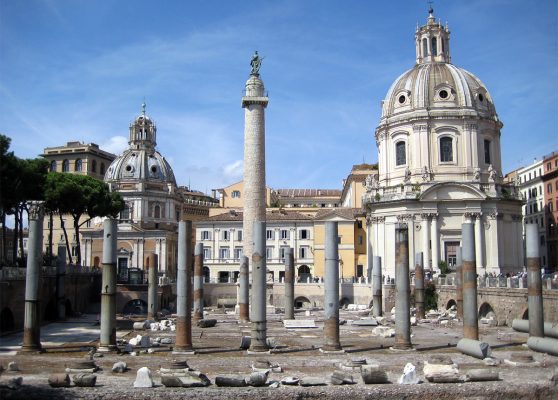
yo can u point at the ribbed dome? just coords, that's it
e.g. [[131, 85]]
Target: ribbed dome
[[140, 164], [439, 88]]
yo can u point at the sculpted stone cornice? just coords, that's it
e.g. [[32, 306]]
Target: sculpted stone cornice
[[405, 217], [376, 220]]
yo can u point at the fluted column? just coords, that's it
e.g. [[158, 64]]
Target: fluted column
[[425, 228], [435, 244], [479, 244]]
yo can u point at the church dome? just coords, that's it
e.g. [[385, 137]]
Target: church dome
[[141, 162], [434, 87], [439, 88]]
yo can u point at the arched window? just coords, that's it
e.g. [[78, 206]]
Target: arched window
[[157, 211], [446, 149], [65, 166], [434, 46], [400, 153], [102, 170], [424, 47], [487, 158], [78, 165], [53, 166], [94, 166]]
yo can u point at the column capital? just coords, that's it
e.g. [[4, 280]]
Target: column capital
[[36, 210]]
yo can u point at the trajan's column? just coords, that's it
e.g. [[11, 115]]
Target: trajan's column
[[254, 103]]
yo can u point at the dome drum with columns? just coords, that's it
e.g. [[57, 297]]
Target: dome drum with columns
[[439, 163]]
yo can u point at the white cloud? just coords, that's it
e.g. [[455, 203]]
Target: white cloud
[[115, 145], [234, 170]]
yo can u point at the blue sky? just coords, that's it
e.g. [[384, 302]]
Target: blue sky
[[79, 70]]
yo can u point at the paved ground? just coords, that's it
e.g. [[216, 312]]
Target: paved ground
[[217, 353]]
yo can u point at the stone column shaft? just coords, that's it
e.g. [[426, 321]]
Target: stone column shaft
[[32, 318], [426, 242], [402, 291], [289, 283], [331, 283], [479, 245], [459, 283], [534, 281], [419, 285], [435, 245], [60, 282], [183, 289], [244, 291], [259, 288], [107, 342], [470, 314], [152, 306], [377, 286], [198, 282]]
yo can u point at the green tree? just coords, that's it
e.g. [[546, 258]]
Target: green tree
[[21, 180], [80, 195]]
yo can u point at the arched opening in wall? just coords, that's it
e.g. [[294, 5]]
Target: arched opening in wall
[[6, 320], [451, 303], [486, 311], [68, 307], [157, 211], [302, 302], [304, 273], [51, 313], [206, 274], [525, 314], [135, 307], [96, 262], [344, 302]]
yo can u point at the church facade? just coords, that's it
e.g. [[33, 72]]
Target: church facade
[[440, 165]]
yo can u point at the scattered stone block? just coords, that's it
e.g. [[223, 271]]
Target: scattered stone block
[[84, 380], [381, 320], [440, 359], [207, 323], [441, 373], [145, 341], [491, 361], [135, 341], [245, 342], [409, 376], [290, 381], [383, 331], [365, 322], [273, 384], [154, 326], [372, 374], [143, 378], [257, 378], [119, 367], [194, 379], [481, 375], [341, 378], [59, 380], [413, 321], [166, 341], [140, 326], [171, 381], [13, 367], [312, 381], [474, 348], [12, 383], [230, 381], [299, 323], [353, 364]]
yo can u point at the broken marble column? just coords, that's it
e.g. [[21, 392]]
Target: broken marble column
[[198, 282], [377, 286], [402, 290], [60, 281], [409, 376], [289, 283], [419, 285], [244, 291], [183, 289], [459, 283], [152, 306], [143, 378], [470, 318], [331, 286], [534, 281], [107, 341], [259, 289], [32, 322]]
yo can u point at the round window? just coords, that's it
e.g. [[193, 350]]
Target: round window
[[128, 168], [402, 99], [153, 169], [444, 94], [481, 97]]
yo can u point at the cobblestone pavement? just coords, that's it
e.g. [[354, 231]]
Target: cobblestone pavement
[[296, 351]]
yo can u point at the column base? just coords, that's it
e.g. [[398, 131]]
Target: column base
[[108, 349], [332, 350], [257, 352], [402, 348], [179, 352], [31, 349]]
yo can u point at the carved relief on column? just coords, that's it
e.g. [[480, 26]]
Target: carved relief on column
[[36, 210]]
